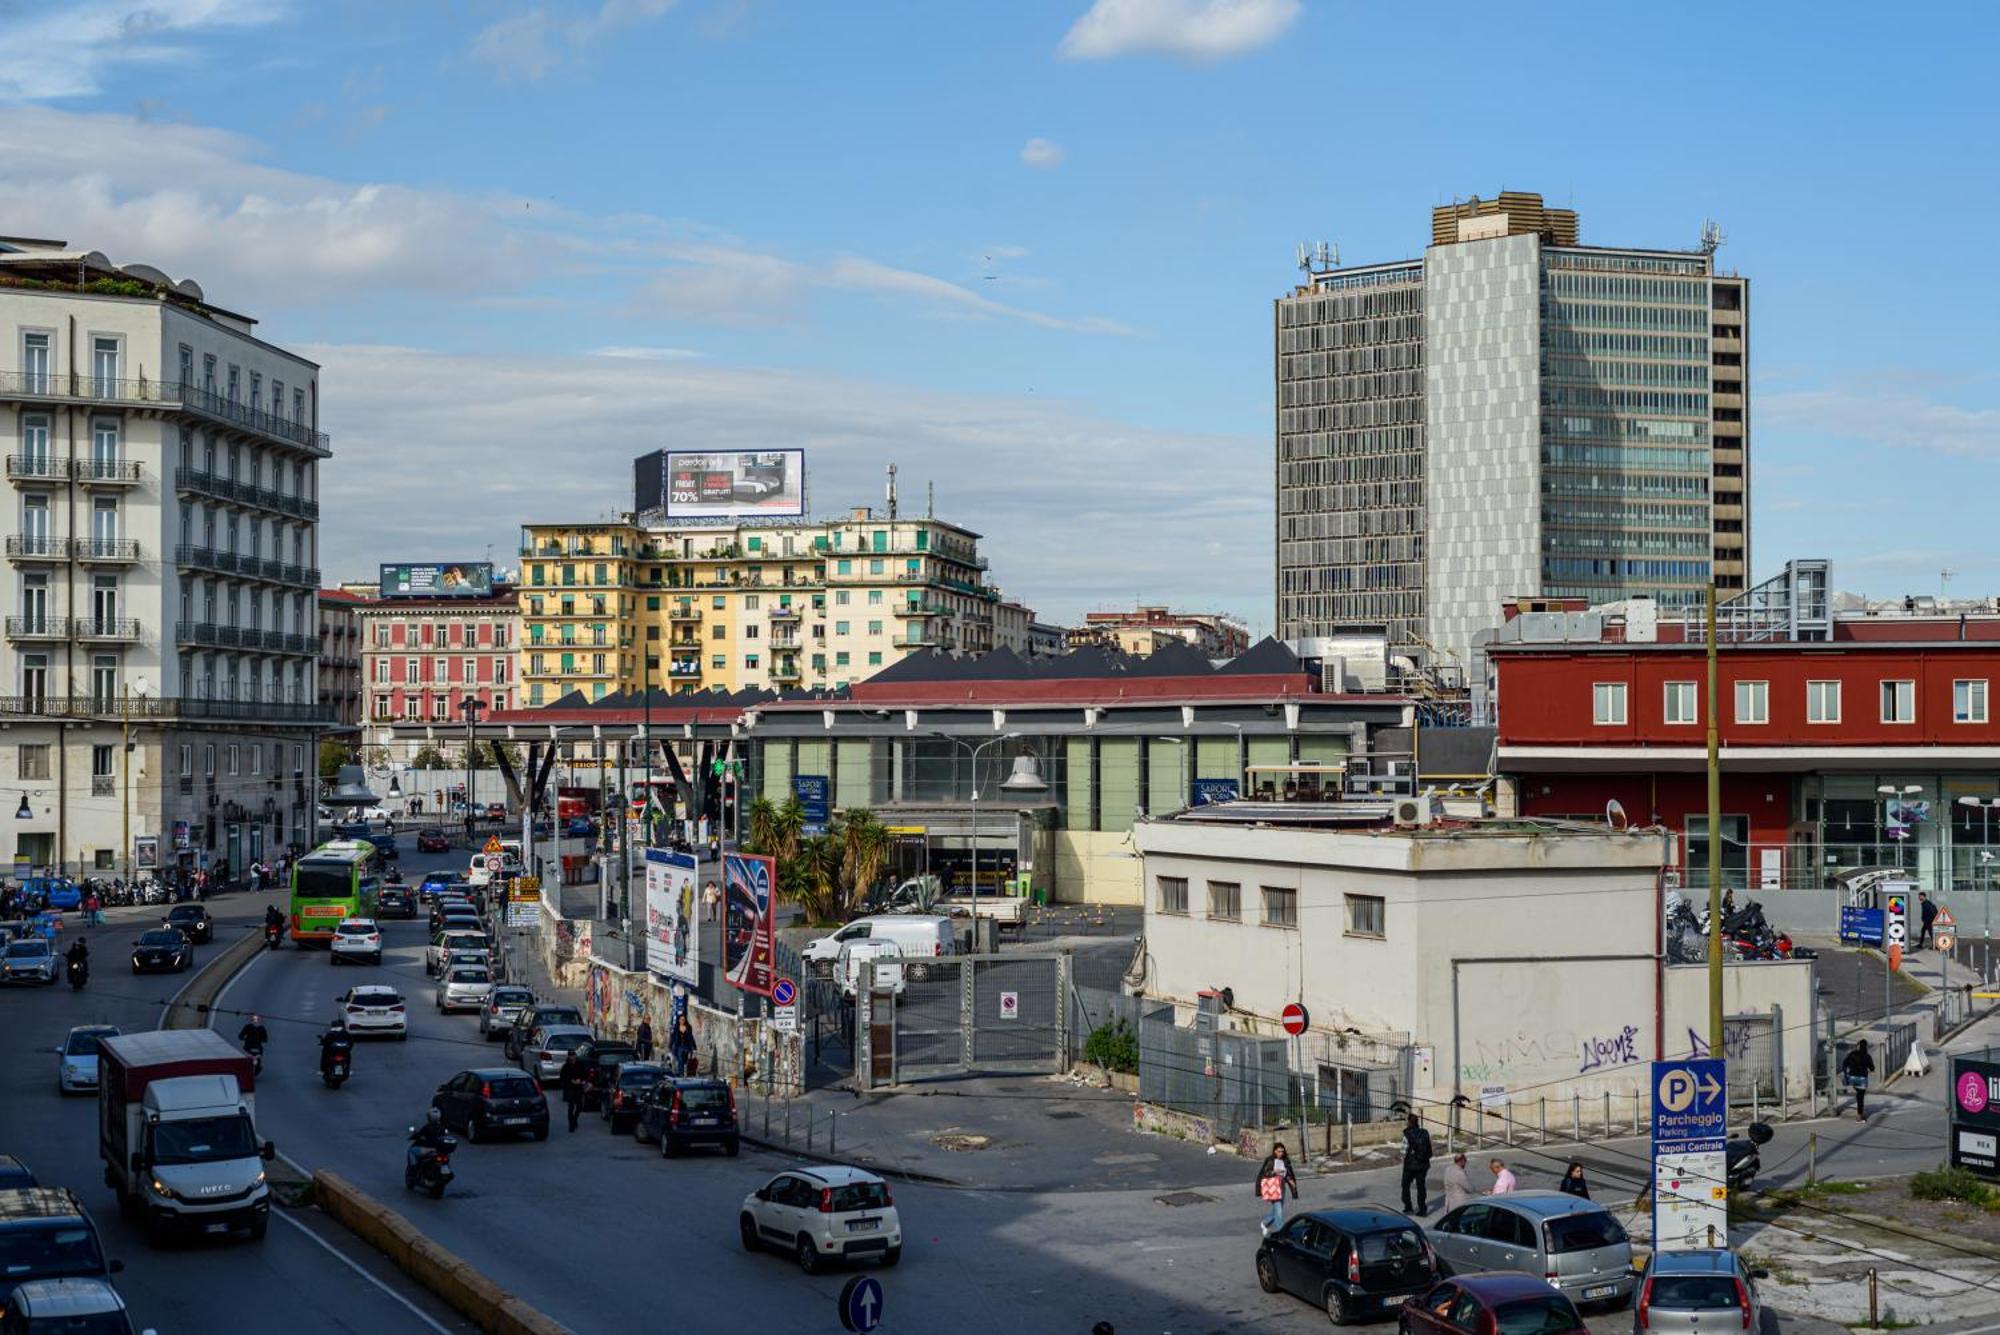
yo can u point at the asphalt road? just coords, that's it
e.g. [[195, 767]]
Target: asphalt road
[[217, 1288]]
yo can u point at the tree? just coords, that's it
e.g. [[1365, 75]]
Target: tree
[[332, 755], [429, 757], [864, 852]]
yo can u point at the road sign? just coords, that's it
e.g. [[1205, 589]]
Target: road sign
[[861, 1304], [1945, 941], [493, 844], [784, 992], [785, 1019], [1944, 919], [1295, 1019], [1010, 1005], [1690, 1154]]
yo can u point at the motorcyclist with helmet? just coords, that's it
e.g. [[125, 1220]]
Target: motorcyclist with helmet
[[336, 1042]]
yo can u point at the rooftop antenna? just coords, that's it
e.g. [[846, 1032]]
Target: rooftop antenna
[[1944, 578], [930, 500], [1318, 258], [1712, 236], [892, 491]]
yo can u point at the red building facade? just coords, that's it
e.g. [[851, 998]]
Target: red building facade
[[422, 657]]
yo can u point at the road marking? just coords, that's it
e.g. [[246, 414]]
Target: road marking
[[351, 1264]]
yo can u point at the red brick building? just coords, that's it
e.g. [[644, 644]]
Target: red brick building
[[421, 657]]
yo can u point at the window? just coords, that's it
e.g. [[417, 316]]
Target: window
[[1822, 702], [752, 602], [37, 362], [1607, 702], [750, 661], [874, 628], [1753, 702], [1225, 900], [1367, 915], [718, 632], [1968, 701], [256, 761], [874, 658], [1281, 907], [208, 759], [750, 632], [840, 628], [35, 761], [1899, 702], [187, 760], [1680, 702], [840, 597], [100, 762], [1173, 893], [874, 597], [718, 661], [718, 602], [235, 759], [840, 659]]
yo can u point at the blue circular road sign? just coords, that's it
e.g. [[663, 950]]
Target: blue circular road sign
[[784, 994], [861, 1304]]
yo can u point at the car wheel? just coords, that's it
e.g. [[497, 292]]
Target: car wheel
[[732, 1147], [475, 1129], [746, 1229], [1267, 1275], [808, 1256], [542, 1131], [639, 1132], [893, 1255], [1338, 1310]]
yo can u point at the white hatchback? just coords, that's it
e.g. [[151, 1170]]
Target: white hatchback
[[356, 939], [822, 1214], [373, 1008], [76, 1060], [464, 987]]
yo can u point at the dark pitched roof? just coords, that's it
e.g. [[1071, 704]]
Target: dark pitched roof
[[1265, 658]]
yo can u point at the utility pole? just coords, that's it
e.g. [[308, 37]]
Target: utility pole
[[1714, 846], [471, 705], [125, 751]]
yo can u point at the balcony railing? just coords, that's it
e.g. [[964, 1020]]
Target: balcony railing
[[37, 628], [28, 547], [784, 671], [676, 612], [784, 614], [103, 785], [37, 467], [107, 472], [74, 385], [231, 563], [156, 707], [210, 404], [221, 488], [684, 668], [105, 550], [106, 630]]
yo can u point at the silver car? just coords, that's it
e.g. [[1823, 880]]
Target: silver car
[[1688, 1293], [549, 1047], [1579, 1247], [29, 959], [501, 1008], [464, 987], [76, 1060]]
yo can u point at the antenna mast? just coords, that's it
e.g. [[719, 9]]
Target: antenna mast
[[892, 491]]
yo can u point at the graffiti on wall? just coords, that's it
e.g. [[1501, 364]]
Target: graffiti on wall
[[1735, 1041], [1524, 1055], [1619, 1049]]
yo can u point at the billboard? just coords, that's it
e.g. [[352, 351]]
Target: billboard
[[673, 937], [811, 790], [749, 922], [1974, 1114], [465, 579], [733, 484]]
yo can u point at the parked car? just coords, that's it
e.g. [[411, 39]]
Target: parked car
[[1503, 1303], [88, 1306], [1579, 1246], [14, 1174], [193, 920], [162, 950], [395, 902], [449, 939], [543, 1055], [1689, 1293], [373, 1008], [30, 959], [686, 1111], [356, 939], [463, 987], [491, 1100], [496, 811], [540, 1014], [1351, 1263], [822, 1214], [600, 1059], [501, 1008], [76, 1060], [626, 1091], [432, 841]]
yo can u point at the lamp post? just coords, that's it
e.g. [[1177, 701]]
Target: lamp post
[[975, 749], [471, 706], [125, 737], [1894, 794]]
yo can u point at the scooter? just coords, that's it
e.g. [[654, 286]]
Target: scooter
[[1742, 1162], [79, 974], [274, 935], [431, 1169], [334, 1069]]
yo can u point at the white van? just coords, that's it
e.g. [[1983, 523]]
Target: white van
[[916, 936], [887, 957]]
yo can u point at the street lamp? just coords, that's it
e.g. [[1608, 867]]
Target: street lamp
[[1894, 795], [470, 706], [1032, 783], [125, 722]]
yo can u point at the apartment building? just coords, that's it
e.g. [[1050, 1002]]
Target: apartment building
[[1513, 414], [1141, 630], [785, 605], [422, 658], [159, 657], [340, 659]]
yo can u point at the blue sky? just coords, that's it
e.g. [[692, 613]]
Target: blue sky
[[1024, 250]]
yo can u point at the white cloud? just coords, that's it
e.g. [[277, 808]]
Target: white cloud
[[1889, 418], [622, 352], [1029, 475], [1042, 153], [66, 50], [544, 37], [1185, 29]]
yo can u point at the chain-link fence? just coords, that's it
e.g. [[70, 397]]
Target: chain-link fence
[[931, 1018]]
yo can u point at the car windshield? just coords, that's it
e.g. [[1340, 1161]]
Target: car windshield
[[512, 996], [645, 1079], [558, 1015], [376, 998], [512, 1087], [565, 1042], [860, 1196], [1583, 1232], [160, 938], [184, 915], [1694, 1293], [1394, 1244], [83, 1045], [704, 1097], [356, 929], [27, 949], [87, 1323], [203, 1140], [1535, 1316], [34, 1253], [468, 976]]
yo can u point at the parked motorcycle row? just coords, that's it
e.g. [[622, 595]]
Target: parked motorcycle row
[[1746, 934]]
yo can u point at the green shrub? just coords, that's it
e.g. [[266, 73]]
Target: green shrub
[[1114, 1047], [1953, 1184]]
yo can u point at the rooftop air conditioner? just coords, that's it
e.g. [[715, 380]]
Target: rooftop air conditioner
[[1415, 812]]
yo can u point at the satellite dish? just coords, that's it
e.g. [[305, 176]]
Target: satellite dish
[[1614, 815]]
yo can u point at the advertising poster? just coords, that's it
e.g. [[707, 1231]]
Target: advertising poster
[[146, 852], [1975, 1115], [730, 484], [1205, 791], [465, 579], [673, 939], [749, 928], [811, 790]]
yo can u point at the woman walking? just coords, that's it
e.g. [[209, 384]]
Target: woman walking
[[1857, 1066], [1572, 1183], [680, 1045], [1274, 1179]]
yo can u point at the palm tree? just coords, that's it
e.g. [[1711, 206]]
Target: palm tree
[[763, 825], [864, 852], [788, 823], [812, 878]]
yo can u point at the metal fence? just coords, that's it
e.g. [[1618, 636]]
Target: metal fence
[[826, 1020], [927, 1019]]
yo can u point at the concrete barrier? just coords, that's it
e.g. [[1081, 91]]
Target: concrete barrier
[[442, 1271], [189, 1008]]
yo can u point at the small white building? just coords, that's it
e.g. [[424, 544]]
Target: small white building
[[1505, 961]]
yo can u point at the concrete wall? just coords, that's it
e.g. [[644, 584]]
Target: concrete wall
[[1096, 867], [1747, 989]]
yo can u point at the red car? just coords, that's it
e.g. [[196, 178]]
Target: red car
[[1496, 1303], [432, 841], [496, 811]]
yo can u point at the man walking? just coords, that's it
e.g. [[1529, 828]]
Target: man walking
[[1856, 1067], [1503, 1178], [1928, 915], [572, 1086], [1416, 1163], [710, 898], [1457, 1186]]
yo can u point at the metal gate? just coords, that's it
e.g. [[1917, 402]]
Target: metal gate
[[826, 1021], [1755, 1046], [927, 1019]]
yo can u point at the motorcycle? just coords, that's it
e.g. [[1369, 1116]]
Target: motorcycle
[[1743, 1163], [274, 935], [79, 974], [431, 1169], [334, 1067]]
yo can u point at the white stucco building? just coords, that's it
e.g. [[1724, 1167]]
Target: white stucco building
[[162, 569]]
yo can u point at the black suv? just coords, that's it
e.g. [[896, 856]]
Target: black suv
[[601, 1058], [45, 1233], [1357, 1263], [395, 902], [493, 1100], [629, 1086], [694, 1110], [193, 921]]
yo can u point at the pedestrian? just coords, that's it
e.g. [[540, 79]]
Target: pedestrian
[[1416, 1163], [1572, 1183], [572, 1086], [1927, 911], [711, 899], [90, 913], [1856, 1067], [1274, 1179], [680, 1046], [1503, 1178], [642, 1042], [1457, 1186]]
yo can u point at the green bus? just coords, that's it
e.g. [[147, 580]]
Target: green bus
[[332, 883]]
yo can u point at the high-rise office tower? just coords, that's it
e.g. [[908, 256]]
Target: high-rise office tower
[[1515, 413]]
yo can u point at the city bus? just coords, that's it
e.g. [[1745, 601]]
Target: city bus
[[335, 881]]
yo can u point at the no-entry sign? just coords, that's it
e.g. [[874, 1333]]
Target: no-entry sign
[[1295, 1019]]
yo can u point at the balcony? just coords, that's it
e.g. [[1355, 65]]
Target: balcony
[[229, 563], [209, 404], [106, 630], [33, 547], [74, 387], [683, 669], [37, 468], [784, 614], [103, 785], [785, 670], [108, 472], [37, 628], [155, 707], [677, 612], [105, 551], [217, 487], [918, 639]]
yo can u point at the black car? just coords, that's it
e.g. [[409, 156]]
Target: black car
[[692, 1110], [1357, 1263], [630, 1084], [162, 950], [45, 1233], [493, 1101], [432, 841], [600, 1058], [14, 1173], [395, 902], [531, 1018], [193, 920]]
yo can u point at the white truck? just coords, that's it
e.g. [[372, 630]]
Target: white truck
[[176, 1129], [919, 895]]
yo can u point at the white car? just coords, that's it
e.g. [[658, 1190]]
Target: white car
[[76, 1060], [475, 956], [446, 941], [29, 959], [372, 813], [821, 1214], [464, 987], [373, 1008], [356, 939]]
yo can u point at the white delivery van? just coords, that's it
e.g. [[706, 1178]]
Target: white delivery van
[[916, 937], [887, 958]]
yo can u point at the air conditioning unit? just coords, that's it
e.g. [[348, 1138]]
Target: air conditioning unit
[[1415, 812]]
